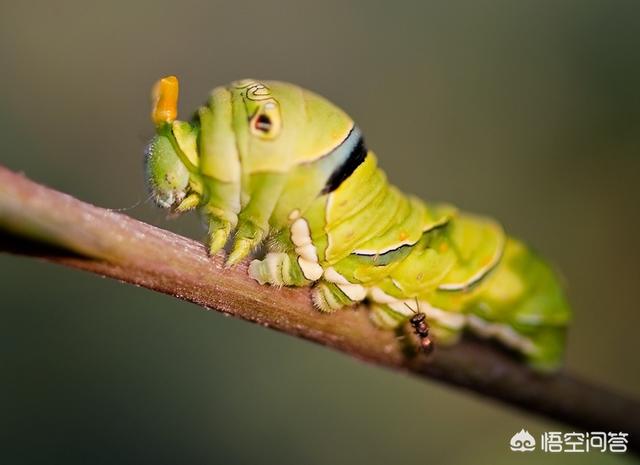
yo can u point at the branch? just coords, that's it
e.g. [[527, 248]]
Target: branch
[[41, 222]]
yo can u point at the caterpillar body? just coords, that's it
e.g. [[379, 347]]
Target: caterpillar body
[[269, 163]]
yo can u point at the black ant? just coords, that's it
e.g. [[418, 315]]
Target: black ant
[[421, 328]]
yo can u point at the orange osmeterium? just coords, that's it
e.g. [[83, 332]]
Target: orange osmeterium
[[165, 100]]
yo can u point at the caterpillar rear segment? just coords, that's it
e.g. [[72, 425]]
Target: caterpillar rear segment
[[271, 163]]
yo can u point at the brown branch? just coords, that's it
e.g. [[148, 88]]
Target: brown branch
[[41, 222]]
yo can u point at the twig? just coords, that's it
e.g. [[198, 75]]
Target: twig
[[41, 222]]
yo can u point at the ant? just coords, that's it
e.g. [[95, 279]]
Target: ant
[[421, 328]]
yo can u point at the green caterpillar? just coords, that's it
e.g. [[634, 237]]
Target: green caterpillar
[[279, 166]]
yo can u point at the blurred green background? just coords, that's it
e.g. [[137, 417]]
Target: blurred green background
[[525, 110]]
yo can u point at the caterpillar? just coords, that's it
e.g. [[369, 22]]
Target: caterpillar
[[271, 164]]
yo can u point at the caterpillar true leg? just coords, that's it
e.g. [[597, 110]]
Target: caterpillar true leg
[[253, 220], [222, 210], [220, 226]]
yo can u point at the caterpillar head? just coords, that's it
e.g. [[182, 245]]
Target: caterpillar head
[[167, 175]]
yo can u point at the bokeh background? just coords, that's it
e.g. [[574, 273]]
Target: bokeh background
[[525, 110]]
